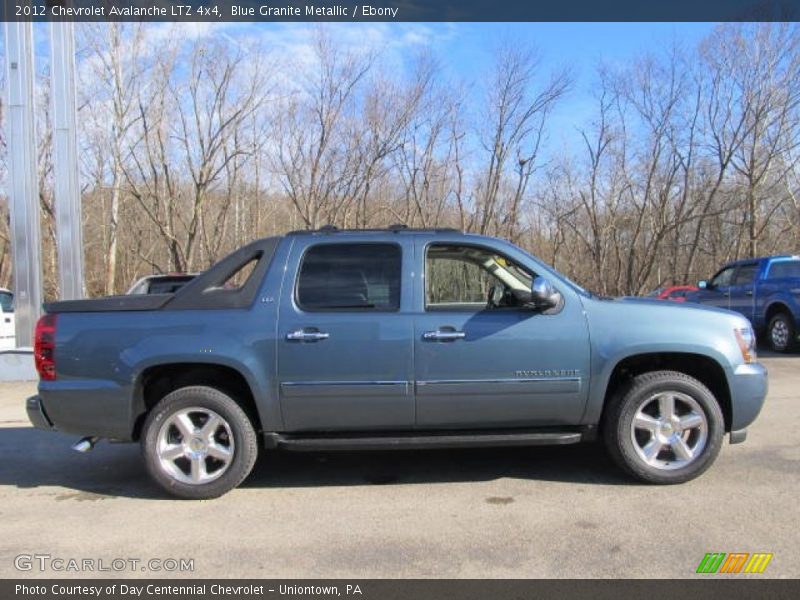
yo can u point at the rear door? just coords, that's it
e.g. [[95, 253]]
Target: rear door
[[742, 290], [344, 338], [483, 359]]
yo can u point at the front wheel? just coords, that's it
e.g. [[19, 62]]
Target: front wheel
[[198, 443], [666, 427], [781, 333]]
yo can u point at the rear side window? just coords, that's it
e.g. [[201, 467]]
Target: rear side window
[[350, 277], [784, 268]]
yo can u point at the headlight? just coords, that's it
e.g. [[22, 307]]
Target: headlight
[[746, 339]]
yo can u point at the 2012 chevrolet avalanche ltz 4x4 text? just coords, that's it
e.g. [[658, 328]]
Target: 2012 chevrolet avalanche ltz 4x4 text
[[393, 338]]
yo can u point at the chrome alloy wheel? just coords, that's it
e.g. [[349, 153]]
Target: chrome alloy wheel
[[669, 430], [195, 446], [779, 334]]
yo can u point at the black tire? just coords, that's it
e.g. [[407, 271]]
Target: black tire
[[622, 441], [235, 424], [781, 333]]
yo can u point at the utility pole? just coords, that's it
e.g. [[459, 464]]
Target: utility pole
[[23, 190], [69, 234]]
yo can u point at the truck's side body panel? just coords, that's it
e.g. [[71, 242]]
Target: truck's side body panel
[[370, 367]]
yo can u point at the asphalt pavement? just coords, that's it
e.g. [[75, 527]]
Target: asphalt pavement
[[505, 513]]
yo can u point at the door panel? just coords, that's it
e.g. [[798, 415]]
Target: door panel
[[742, 298], [511, 368], [718, 291], [344, 368]]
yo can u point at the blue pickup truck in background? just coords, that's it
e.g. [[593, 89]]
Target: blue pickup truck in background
[[386, 339], [765, 290]]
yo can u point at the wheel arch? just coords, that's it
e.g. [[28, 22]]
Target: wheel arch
[[702, 367], [775, 307], [156, 381]]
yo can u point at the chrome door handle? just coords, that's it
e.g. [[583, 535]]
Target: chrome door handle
[[443, 336], [307, 336]]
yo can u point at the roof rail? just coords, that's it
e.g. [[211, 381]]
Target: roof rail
[[396, 228]]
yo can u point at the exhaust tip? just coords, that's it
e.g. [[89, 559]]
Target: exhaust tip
[[86, 444]]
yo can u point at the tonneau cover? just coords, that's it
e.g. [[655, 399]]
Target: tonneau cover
[[110, 304]]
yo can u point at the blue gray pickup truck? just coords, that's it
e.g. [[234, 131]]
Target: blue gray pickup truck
[[396, 338], [765, 290]]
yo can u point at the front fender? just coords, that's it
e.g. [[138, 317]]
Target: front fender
[[604, 364], [624, 328]]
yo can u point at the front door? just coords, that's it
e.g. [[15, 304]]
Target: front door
[[483, 357], [742, 289], [344, 345], [718, 291]]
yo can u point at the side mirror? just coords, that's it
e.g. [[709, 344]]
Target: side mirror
[[702, 284], [543, 294]]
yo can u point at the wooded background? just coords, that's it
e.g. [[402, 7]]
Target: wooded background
[[192, 147]]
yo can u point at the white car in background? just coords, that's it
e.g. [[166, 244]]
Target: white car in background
[[7, 333]]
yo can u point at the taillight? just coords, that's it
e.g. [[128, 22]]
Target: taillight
[[44, 347]]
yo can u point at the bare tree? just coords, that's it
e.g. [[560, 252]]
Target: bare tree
[[516, 117], [317, 157], [193, 146], [198, 121], [110, 86]]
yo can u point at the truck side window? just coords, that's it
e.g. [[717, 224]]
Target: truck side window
[[350, 277], [473, 278], [745, 275], [6, 302], [784, 268], [723, 278]]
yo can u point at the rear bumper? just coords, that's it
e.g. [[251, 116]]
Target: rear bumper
[[36, 414], [749, 386]]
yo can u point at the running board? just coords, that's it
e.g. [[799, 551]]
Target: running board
[[394, 441]]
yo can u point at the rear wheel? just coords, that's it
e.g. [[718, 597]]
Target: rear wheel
[[198, 443], [781, 333], [665, 427]]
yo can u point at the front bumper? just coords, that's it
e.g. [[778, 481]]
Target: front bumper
[[749, 386], [36, 414]]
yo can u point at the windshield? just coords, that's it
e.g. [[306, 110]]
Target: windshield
[[575, 286], [7, 302]]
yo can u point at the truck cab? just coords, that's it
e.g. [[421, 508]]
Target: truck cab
[[764, 290]]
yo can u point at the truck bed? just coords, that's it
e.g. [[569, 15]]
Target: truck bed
[[209, 290]]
